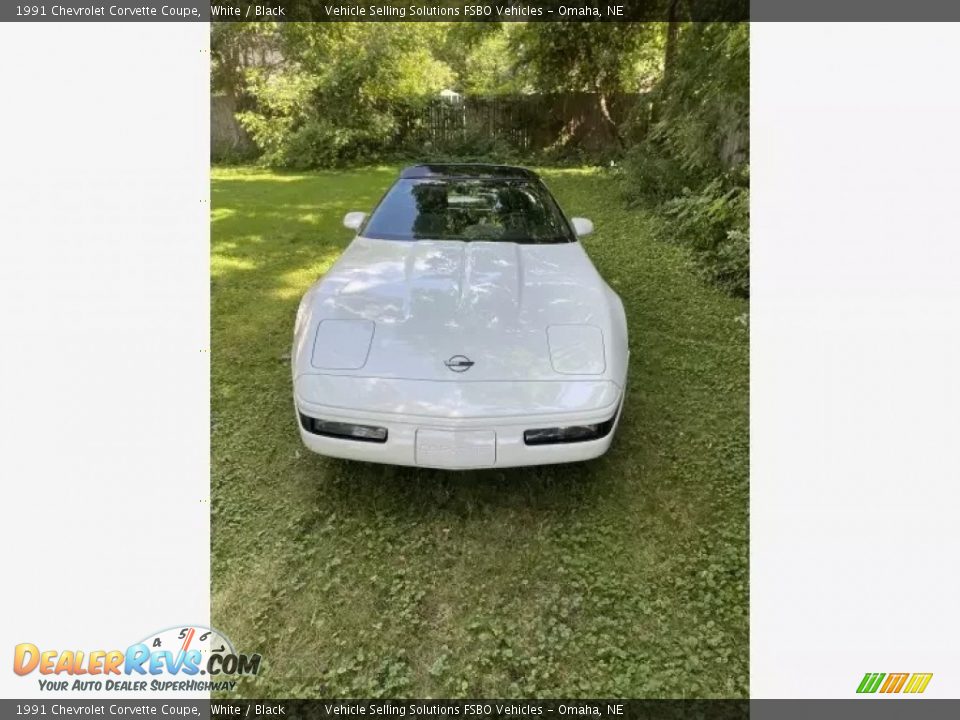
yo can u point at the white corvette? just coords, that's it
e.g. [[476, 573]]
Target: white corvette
[[464, 327]]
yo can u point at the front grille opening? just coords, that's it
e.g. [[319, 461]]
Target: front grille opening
[[343, 431]]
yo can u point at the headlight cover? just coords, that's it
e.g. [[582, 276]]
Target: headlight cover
[[342, 344], [576, 349]]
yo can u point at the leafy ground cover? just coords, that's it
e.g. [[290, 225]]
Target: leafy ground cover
[[625, 576]]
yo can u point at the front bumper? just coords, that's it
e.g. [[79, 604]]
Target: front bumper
[[461, 441]]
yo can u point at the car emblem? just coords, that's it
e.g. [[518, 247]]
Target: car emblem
[[459, 363]]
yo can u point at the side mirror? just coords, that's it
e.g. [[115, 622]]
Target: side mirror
[[353, 220], [581, 226]]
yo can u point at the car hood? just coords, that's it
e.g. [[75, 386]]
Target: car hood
[[404, 309]]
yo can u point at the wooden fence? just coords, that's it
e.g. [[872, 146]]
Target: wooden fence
[[531, 122], [525, 123]]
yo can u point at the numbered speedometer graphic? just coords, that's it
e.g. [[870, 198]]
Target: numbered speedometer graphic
[[197, 650]]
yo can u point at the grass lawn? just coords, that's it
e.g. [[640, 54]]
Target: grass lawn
[[625, 576]]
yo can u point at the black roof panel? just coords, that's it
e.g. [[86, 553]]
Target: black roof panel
[[467, 170]]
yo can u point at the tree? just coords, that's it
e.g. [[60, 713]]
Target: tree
[[670, 46], [343, 90], [598, 58], [235, 47], [704, 111], [694, 162], [480, 55]]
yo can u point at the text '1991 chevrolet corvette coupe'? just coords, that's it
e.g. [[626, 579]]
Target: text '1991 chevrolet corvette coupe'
[[463, 327]]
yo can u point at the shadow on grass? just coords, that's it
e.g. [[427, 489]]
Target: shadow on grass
[[416, 493]]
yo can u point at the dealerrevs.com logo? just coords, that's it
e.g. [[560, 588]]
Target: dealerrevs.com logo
[[181, 658], [891, 683]]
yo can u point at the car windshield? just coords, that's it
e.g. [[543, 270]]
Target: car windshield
[[491, 209]]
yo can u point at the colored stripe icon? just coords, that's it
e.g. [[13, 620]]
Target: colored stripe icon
[[894, 683], [918, 683]]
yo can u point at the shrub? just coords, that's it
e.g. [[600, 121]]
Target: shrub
[[473, 146], [652, 175], [320, 143], [692, 164], [715, 223]]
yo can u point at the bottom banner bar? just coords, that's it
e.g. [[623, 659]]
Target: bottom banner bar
[[602, 709]]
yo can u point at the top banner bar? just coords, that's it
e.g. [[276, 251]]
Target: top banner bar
[[376, 10], [474, 10]]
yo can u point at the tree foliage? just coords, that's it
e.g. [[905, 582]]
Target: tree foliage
[[481, 57], [589, 57], [341, 90], [332, 94], [694, 160], [327, 94]]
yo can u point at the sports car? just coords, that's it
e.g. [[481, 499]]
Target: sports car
[[463, 327]]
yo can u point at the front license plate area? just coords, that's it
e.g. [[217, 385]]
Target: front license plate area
[[456, 448]]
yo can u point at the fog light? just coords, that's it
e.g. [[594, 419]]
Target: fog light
[[547, 436], [344, 431], [572, 434]]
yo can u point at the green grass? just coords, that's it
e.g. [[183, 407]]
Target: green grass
[[626, 576]]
